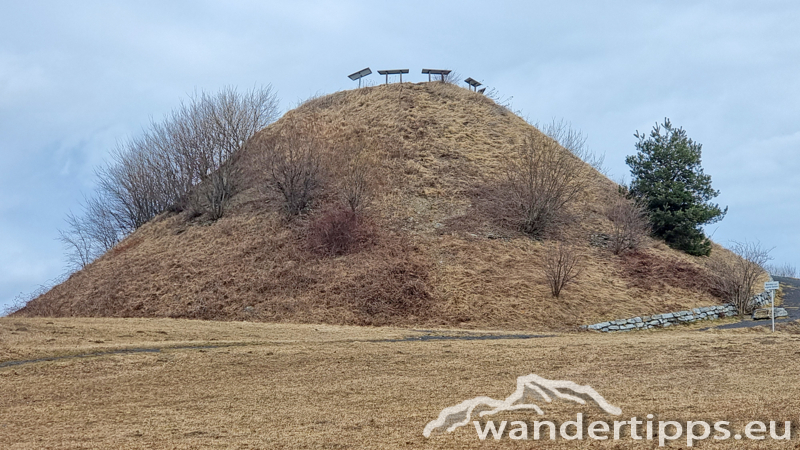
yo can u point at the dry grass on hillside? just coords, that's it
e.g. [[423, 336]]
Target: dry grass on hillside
[[437, 257], [295, 386]]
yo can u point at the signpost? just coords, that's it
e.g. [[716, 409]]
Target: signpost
[[772, 286]]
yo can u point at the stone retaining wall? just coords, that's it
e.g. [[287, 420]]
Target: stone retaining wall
[[674, 318]]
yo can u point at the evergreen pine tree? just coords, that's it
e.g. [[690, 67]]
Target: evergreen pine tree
[[668, 179]]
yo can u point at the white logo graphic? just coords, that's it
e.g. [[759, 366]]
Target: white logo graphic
[[529, 387]]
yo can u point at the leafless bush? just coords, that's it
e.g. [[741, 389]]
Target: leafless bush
[[736, 277], [81, 248], [784, 270], [451, 78], [543, 179], [354, 175], [215, 128], [293, 164], [339, 232], [89, 235], [574, 141], [560, 265], [503, 103], [629, 224]]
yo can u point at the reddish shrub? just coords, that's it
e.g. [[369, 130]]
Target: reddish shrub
[[339, 232]]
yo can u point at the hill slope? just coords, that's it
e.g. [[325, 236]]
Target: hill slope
[[436, 256]]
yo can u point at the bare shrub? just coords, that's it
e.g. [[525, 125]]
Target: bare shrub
[[542, 180], [574, 141], [784, 270], [214, 129], [630, 225], [338, 232], [652, 271], [451, 78], [354, 175], [502, 104], [560, 265], [88, 236], [735, 277], [80, 246], [293, 164]]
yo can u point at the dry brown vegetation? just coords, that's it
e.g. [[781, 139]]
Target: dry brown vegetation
[[277, 386], [437, 253], [737, 278]]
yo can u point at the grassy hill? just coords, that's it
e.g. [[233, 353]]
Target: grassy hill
[[435, 250]]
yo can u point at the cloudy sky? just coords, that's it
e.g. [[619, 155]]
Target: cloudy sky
[[76, 77]]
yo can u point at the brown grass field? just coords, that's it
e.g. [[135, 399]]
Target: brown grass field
[[272, 386]]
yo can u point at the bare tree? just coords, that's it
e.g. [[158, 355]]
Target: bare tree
[[560, 265], [736, 276], [574, 141], [231, 120], [293, 163], [131, 188], [784, 270], [629, 224], [186, 161], [543, 179], [90, 235], [80, 246]]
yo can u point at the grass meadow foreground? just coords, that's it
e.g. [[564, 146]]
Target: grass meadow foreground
[[161, 383]]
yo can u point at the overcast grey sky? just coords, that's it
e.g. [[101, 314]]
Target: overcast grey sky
[[77, 76]]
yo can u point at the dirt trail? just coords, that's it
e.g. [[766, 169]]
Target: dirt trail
[[428, 336]]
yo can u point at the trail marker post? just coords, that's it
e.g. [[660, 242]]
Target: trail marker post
[[772, 286]]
